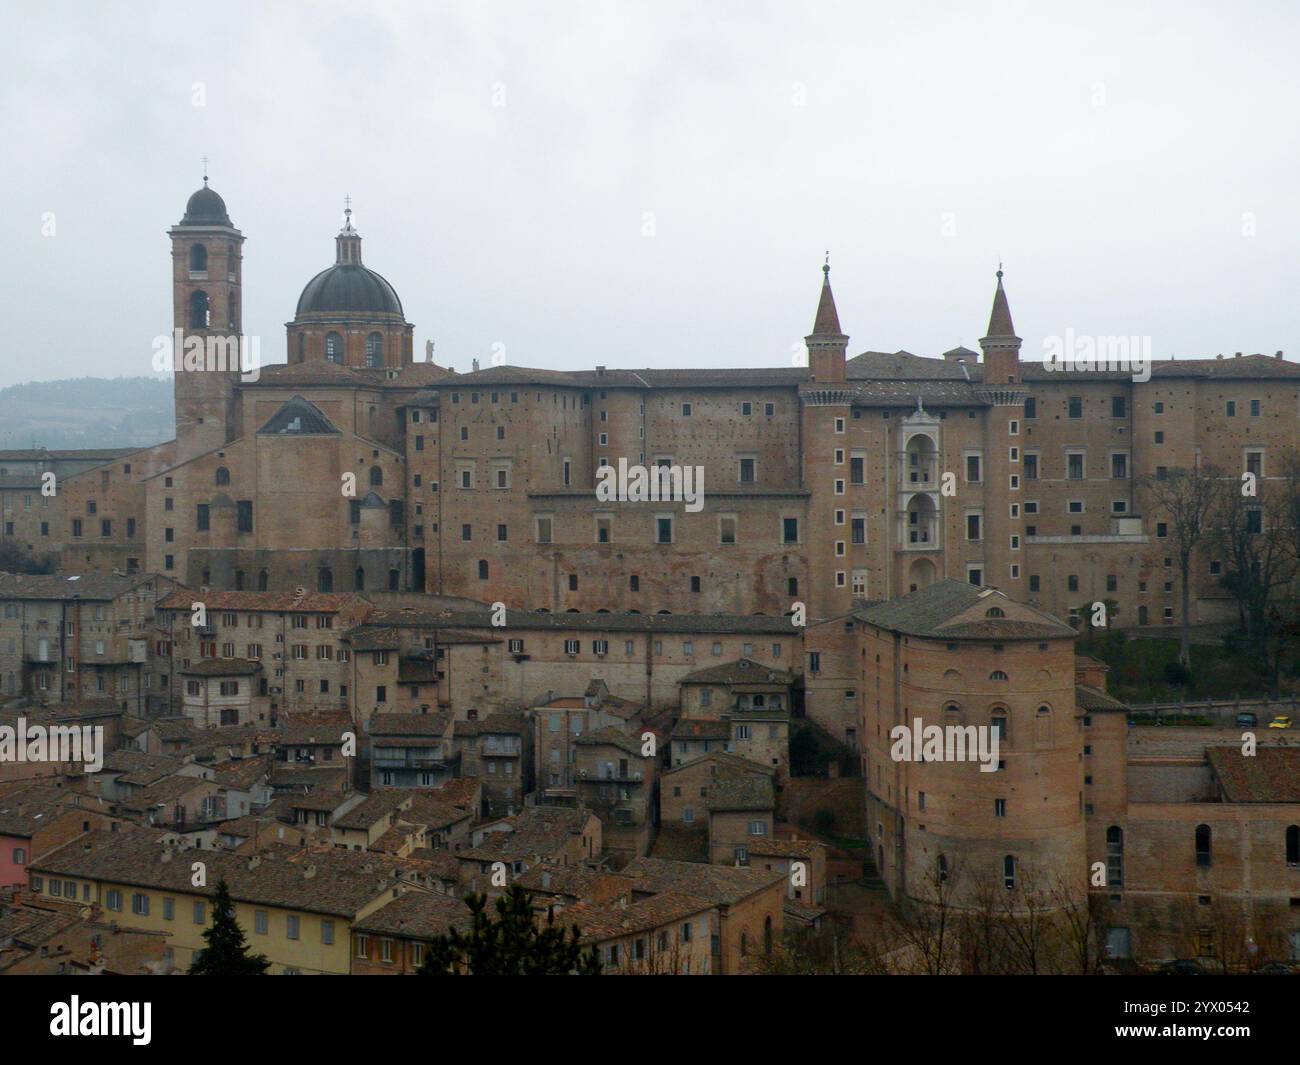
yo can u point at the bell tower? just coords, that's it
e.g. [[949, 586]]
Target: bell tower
[[207, 318]]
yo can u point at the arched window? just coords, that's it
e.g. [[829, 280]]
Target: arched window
[[767, 935], [376, 476], [223, 475], [394, 580], [333, 347], [302, 346], [200, 309], [1293, 844], [207, 578], [263, 579], [1115, 857], [375, 350], [744, 943], [1203, 846], [198, 259], [325, 579], [995, 612], [1044, 711], [359, 579], [482, 570], [997, 674], [998, 719], [1009, 871]]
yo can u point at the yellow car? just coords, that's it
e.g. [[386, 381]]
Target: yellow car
[[1280, 721]]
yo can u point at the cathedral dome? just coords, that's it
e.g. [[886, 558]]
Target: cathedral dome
[[205, 208], [348, 287]]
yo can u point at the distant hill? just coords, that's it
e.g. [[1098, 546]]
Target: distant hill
[[87, 412]]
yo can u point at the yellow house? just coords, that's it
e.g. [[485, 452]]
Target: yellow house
[[295, 906]]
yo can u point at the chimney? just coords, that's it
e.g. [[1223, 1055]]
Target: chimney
[[1278, 354], [474, 363], [600, 371]]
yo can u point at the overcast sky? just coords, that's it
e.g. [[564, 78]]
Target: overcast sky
[[655, 184]]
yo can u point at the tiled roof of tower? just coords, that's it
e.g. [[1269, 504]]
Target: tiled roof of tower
[[298, 417], [827, 321], [1000, 317], [936, 612]]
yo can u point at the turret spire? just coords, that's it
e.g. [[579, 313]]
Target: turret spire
[[827, 322], [1000, 320], [827, 344]]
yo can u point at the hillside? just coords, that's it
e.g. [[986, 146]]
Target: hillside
[[87, 412]]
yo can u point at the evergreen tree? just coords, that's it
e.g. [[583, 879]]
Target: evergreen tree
[[226, 953], [511, 944]]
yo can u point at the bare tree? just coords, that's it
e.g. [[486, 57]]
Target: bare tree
[[1259, 543], [929, 929], [1083, 921], [1189, 499]]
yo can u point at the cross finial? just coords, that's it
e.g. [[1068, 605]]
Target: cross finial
[[999, 269], [205, 170], [826, 267]]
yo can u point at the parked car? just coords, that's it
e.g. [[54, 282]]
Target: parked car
[[1247, 721], [1181, 967], [1274, 968], [1280, 721]]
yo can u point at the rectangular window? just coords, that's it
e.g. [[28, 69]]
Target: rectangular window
[[1074, 406]]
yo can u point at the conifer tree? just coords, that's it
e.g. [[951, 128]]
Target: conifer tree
[[226, 953], [513, 943]]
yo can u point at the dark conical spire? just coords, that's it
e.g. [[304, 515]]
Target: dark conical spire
[[827, 322], [1000, 320]]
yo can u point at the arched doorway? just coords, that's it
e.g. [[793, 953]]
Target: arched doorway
[[920, 574]]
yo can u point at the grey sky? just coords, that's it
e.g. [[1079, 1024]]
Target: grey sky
[[1110, 154]]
